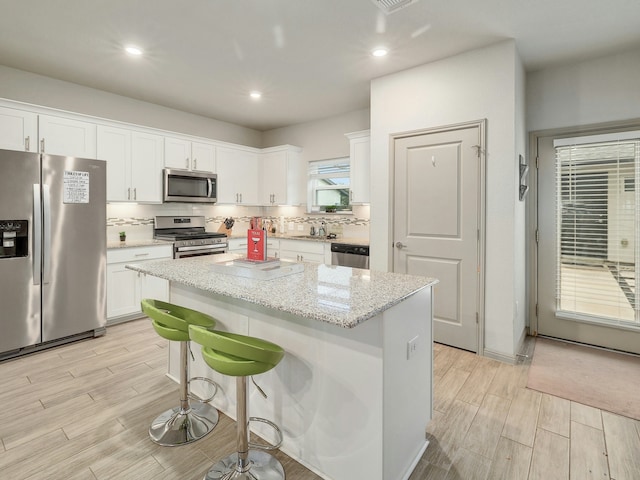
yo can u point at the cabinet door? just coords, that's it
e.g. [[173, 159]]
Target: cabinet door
[[18, 130], [114, 146], [273, 178], [177, 153], [63, 136], [360, 169], [237, 176], [123, 291], [154, 287], [147, 157], [203, 157]]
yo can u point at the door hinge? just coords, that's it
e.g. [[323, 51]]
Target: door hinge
[[477, 318], [536, 309], [537, 162], [537, 236]]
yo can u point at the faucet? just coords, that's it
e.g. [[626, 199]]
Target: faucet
[[322, 231]]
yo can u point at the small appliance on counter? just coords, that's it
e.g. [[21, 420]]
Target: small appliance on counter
[[189, 236]]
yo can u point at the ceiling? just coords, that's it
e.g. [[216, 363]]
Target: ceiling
[[310, 58]]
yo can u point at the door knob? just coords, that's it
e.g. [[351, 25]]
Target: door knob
[[400, 245]]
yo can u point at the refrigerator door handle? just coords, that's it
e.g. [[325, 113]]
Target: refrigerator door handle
[[37, 235], [46, 254]]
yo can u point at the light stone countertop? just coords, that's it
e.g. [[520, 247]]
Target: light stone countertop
[[341, 296], [308, 238], [136, 243]]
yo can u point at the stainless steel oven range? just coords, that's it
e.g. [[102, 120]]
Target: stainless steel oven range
[[189, 237]]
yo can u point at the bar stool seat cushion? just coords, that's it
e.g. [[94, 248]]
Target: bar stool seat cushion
[[172, 321], [236, 355]]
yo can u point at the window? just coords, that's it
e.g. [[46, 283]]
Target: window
[[598, 218], [329, 185]]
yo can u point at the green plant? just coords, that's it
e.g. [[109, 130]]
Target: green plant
[[122, 235]]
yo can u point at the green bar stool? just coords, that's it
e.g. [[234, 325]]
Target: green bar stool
[[241, 356], [188, 422]]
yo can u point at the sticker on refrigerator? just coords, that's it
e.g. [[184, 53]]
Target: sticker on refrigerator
[[76, 187]]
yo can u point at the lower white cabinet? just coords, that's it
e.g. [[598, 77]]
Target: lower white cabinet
[[302, 251], [125, 288]]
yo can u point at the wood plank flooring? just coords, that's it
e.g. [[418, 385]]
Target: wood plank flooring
[[81, 412]]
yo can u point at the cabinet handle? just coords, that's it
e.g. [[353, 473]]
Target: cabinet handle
[[141, 254], [42, 146], [350, 195], [186, 163], [26, 144], [129, 193], [135, 194], [195, 163]]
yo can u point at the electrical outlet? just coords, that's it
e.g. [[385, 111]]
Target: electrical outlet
[[291, 226], [412, 347], [300, 228]]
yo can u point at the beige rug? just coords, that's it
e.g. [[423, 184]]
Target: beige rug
[[598, 378]]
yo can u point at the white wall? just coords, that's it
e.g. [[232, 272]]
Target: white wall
[[606, 89], [468, 87], [520, 220], [45, 91], [320, 139]]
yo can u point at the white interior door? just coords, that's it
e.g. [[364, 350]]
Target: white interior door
[[587, 228], [436, 224]]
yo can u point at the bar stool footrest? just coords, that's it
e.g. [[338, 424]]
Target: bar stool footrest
[[206, 380], [272, 425]]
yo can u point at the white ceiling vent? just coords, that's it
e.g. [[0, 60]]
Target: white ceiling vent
[[391, 6]]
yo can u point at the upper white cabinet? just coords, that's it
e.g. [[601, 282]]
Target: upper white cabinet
[[360, 160], [187, 155], [18, 130], [134, 164], [281, 179], [64, 136], [237, 171]]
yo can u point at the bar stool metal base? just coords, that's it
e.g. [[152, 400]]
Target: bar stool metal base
[[177, 427], [262, 466]]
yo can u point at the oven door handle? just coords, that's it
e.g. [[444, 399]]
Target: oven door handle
[[209, 188], [202, 247]]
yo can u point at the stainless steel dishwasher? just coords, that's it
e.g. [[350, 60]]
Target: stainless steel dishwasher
[[349, 255]]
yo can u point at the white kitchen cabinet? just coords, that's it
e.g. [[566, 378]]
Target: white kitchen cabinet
[[187, 155], [360, 167], [237, 171], [302, 251], [18, 130], [281, 176], [134, 164], [64, 136], [125, 288]]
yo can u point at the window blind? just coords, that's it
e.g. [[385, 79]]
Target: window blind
[[598, 218]]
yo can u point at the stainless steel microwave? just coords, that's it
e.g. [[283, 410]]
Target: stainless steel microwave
[[189, 187]]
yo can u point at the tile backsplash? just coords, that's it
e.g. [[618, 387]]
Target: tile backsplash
[[137, 220]]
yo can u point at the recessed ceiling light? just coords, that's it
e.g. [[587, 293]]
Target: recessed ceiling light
[[132, 50], [255, 95], [379, 52]]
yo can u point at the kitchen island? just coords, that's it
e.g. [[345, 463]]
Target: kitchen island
[[353, 394]]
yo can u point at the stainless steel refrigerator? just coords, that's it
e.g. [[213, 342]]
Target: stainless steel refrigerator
[[52, 250]]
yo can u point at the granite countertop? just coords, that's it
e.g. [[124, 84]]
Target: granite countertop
[[308, 238], [341, 296], [136, 243]]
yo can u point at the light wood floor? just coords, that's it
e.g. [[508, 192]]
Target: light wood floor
[[82, 411]]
